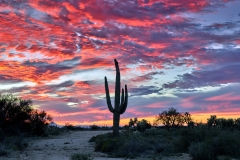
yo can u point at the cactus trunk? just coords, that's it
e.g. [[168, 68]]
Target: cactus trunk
[[116, 121], [119, 107]]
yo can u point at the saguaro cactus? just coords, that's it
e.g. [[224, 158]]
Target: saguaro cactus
[[119, 108]]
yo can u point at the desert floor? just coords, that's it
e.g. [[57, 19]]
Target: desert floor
[[63, 146]]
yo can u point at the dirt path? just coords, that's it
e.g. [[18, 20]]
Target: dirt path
[[63, 146], [60, 147]]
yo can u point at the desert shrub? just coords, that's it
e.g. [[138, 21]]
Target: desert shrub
[[136, 133], [69, 126], [99, 143], [237, 123], [163, 147], [3, 150], [54, 130], [111, 144], [185, 136], [79, 128], [14, 113], [16, 142], [93, 139], [227, 143], [201, 151], [39, 121], [18, 116], [124, 145], [20, 143], [105, 127], [199, 134], [125, 127], [80, 156], [100, 140], [182, 143], [198, 142], [133, 146], [143, 125], [151, 131], [94, 127], [107, 145]]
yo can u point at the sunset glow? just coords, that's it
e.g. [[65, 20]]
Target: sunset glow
[[171, 53]]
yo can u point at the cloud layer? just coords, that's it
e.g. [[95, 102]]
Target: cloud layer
[[171, 54]]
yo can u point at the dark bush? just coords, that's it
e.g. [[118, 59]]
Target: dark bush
[[185, 136], [3, 150], [15, 113], [54, 130], [17, 143], [151, 131], [39, 121], [80, 156], [94, 127], [18, 117], [69, 126], [202, 151], [127, 144], [227, 143], [100, 140], [198, 142], [132, 148], [143, 125], [164, 147], [109, 145]]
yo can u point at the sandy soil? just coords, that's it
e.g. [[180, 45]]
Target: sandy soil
[[63, 146]]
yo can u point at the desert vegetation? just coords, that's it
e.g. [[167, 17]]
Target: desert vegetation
[[172, 133], [19, 117], [79, 156], [177, 134], [19, 121]]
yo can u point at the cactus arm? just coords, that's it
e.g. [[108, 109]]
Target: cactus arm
[[124, 105], [122, 98], [109, 104], [117, 86]]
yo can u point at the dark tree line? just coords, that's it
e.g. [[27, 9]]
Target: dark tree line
[[222, 123], [170, 118], [17, 116], [173, 118]]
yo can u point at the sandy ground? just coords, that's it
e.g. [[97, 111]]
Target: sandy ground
[[63, 146]]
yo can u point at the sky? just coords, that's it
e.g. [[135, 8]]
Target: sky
[[171, 53]]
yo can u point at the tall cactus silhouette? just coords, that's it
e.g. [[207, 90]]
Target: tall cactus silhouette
[[119, 108]]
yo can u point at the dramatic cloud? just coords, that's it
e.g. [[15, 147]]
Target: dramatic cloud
[[182, 54]]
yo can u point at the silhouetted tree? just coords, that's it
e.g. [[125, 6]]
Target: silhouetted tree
[[39, 121], [230, 123], [188, 119], [221, 122], [133, 123], [237, 123], [211, 121], [170, 118], [14, 113], [173, 118], [17, 116]]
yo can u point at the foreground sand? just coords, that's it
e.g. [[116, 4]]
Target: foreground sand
[[63, 146]]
